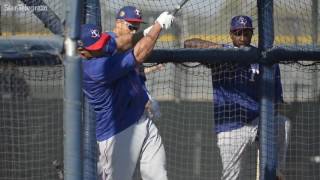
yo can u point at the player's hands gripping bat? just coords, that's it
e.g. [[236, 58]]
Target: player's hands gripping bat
[[165, 19]]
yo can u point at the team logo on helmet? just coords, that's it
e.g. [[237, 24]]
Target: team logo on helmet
[[95, 33], [138, 12], [122, 13], [242, 20]]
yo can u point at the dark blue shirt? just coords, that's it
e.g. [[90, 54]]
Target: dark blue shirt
[[116, 92], [236, 94]]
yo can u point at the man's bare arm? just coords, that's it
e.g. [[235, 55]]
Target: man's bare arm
[[144, 47], [151, 69], [199, 43]]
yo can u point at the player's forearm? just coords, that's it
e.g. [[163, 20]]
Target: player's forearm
[[199, 43], [128, 41], [144, 47], [153, 68]]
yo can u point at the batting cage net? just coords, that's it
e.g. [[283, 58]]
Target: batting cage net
[[196, 19], [31, 17], [187, 122], [32, 76]]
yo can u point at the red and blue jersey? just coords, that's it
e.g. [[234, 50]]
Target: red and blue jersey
[[115, 90], [236, 94]]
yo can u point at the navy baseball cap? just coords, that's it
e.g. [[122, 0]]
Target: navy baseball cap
[[241, 22], [91, 37], [130, 14]]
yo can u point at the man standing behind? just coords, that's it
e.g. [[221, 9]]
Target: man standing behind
[[236, 100], [114, 88]]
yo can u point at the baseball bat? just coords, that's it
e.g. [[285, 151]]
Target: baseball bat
[[179, 6]]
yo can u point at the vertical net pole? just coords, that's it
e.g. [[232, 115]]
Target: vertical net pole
[[92, 16], [314, 19], [14, 27], [89, 142], [315, 15], [268, 155], [72, 95], [0, 22]]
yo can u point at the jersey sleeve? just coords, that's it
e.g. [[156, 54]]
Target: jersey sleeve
[[106, 70], [110, 48], [119, 65]]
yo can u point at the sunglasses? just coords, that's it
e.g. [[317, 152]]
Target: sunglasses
[[131, 27], [245, 32]]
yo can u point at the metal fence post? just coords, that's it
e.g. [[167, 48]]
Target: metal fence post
[[268, 153], [72, 95]]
